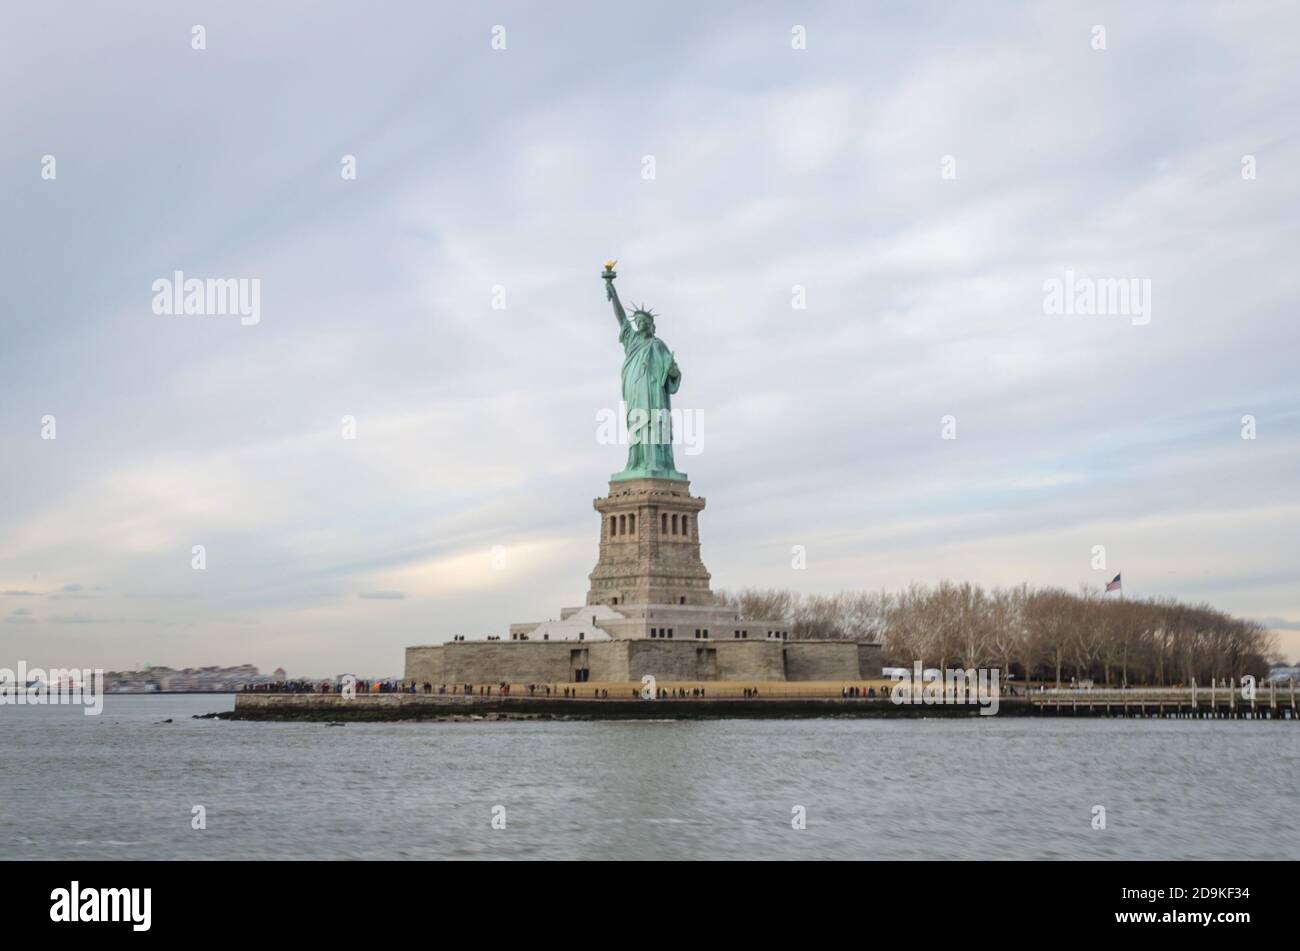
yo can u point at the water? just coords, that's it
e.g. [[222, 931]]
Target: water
[[122, 785]]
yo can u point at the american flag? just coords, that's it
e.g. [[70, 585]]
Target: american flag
[[1114, 585]]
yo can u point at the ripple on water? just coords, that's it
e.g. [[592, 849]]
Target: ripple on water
[[123, 785]]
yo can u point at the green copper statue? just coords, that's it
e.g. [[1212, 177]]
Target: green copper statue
[[650, 377]]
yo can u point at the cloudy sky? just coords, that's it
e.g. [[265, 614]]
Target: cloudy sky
[[488, 176]]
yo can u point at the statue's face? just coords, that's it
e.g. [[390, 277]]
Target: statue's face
[[645, 325]]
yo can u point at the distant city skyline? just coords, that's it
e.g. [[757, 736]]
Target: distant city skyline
[[855, 247]]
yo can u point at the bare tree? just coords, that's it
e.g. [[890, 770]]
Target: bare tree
[[1048, 614], [1044, 632]]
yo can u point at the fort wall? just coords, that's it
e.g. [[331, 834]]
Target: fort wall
[[622, 661]]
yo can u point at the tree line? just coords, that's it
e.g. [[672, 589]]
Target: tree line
[[1042, 634]]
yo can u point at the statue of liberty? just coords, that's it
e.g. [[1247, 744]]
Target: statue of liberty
[[650, 377]]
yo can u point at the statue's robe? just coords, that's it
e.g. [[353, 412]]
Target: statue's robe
[[650, 377]]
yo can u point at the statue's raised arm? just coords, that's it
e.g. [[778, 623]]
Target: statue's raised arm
[[609, 274]]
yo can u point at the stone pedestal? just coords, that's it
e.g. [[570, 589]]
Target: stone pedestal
[[649, 545], [649, 610]]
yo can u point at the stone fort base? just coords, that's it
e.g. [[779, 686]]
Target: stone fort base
[[614, 661]]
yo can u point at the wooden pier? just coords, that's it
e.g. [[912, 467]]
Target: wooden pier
[[1234, 702]]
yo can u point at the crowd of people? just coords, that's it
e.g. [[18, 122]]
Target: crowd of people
[[285, 686], [329, 686]]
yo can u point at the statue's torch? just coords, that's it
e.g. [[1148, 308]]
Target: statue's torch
[[609, 274]]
